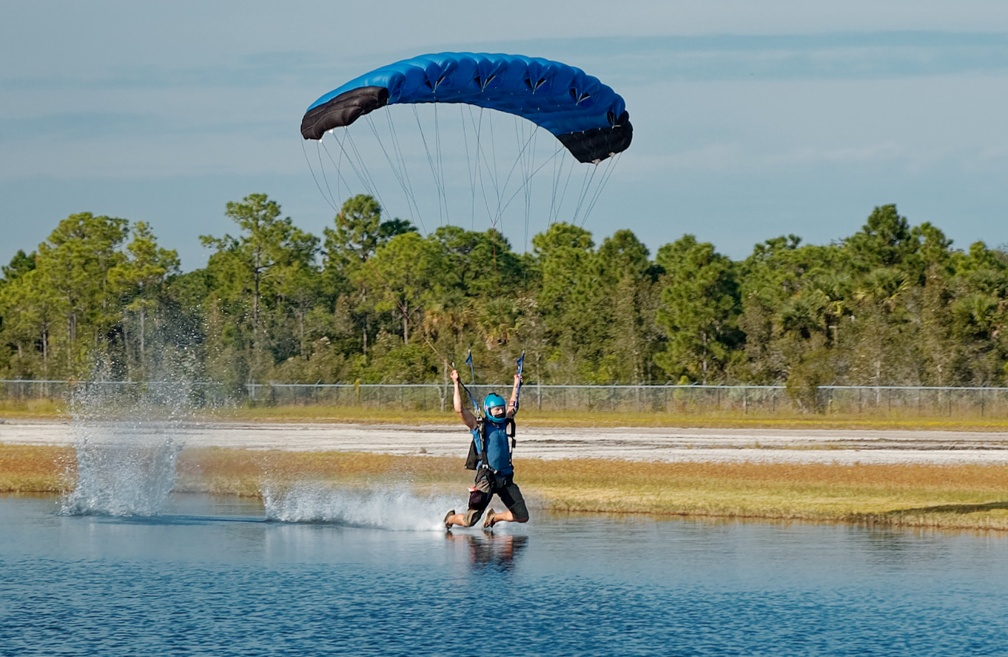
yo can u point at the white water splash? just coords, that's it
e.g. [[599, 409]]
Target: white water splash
[[388, 508], [123, 474], [127, 446]]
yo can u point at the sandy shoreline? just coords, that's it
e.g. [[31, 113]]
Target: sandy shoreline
[[644, 444]]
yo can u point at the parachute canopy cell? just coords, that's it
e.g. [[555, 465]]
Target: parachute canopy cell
[[588, 117]]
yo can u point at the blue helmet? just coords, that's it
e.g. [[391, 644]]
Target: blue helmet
[[491, 401]]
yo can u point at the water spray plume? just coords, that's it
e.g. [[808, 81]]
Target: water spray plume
[[127, 438], [394, 508]]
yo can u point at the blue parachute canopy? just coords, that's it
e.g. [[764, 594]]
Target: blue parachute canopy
[[588, 117]]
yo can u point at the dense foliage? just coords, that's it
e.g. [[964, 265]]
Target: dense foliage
[[372, 300]]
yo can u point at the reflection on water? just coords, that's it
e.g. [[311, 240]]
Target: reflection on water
[[219, 577], [488, 550]]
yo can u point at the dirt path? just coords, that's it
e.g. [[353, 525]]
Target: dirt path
[[665, 444]]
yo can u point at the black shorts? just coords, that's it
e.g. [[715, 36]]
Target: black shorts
[[509, 494]]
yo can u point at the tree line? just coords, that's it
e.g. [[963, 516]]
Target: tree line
[[372, 300]]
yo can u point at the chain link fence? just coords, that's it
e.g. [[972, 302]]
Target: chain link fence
[[694, 399]]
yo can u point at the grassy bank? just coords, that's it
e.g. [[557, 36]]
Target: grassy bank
[[954, 496]]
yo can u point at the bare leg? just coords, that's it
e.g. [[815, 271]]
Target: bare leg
[[504, 516]]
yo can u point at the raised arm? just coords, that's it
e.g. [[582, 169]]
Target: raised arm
[[513, 403], [460, 409]]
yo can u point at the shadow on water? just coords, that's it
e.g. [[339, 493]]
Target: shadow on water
[[487, 550], [954, 508], [177, 520], [938, 516], [326, 522]]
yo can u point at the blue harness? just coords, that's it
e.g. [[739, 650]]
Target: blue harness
[[491, 446]]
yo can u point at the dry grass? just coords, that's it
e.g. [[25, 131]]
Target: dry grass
[[35, 469], [953, 496], [912, 495], [32, 408], [242, 472]]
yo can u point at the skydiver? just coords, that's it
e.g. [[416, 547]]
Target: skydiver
[[490, 456]]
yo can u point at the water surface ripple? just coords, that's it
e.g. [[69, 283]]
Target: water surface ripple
[[210, 577]]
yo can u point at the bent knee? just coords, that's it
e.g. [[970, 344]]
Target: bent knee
[[472, 516]]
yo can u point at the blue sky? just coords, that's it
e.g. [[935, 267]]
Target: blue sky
[[751, 119]]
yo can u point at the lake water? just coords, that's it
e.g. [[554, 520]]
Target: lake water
[[228, 577]]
